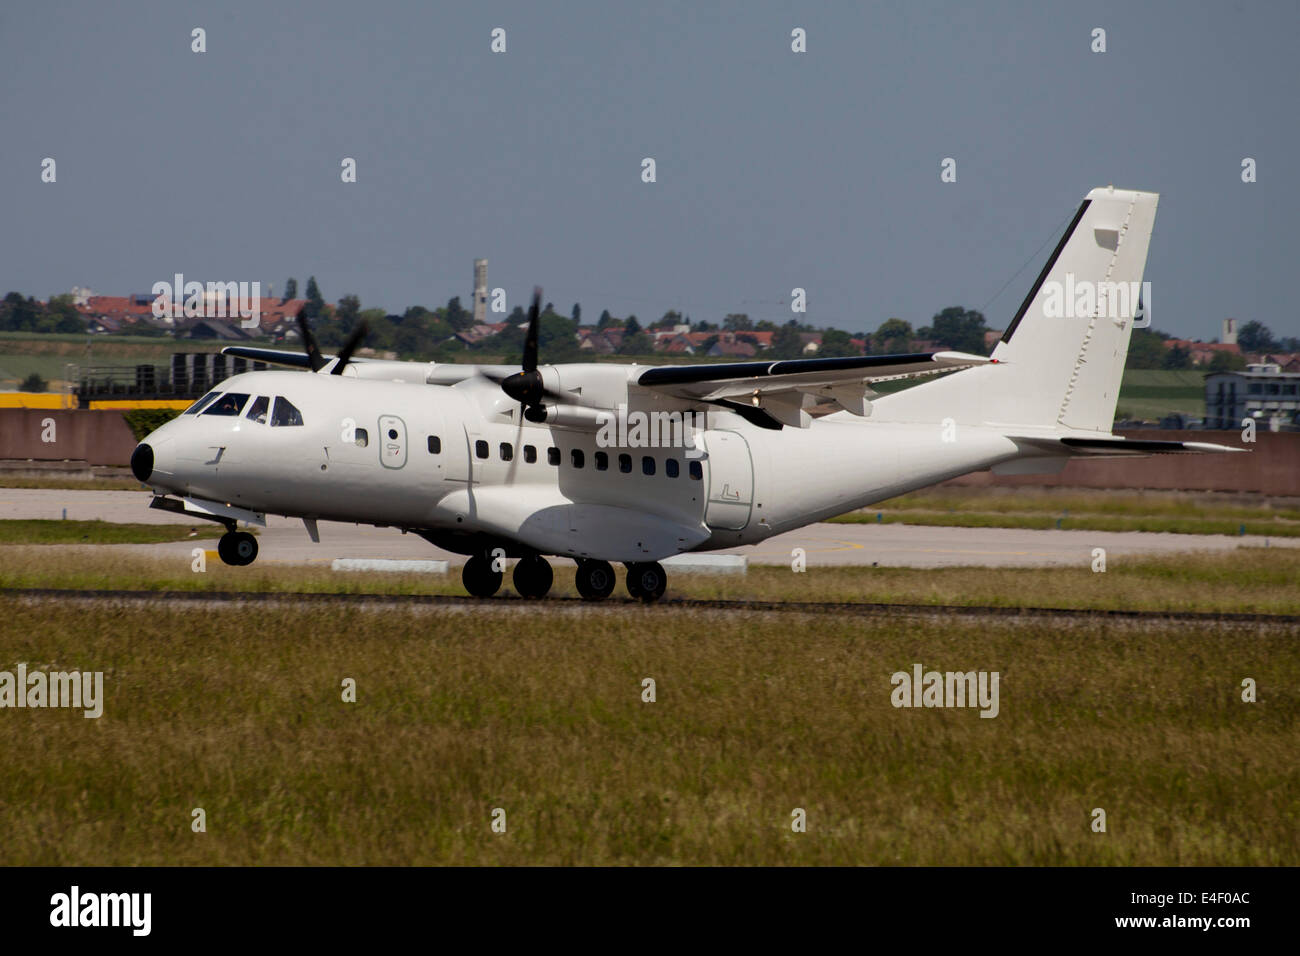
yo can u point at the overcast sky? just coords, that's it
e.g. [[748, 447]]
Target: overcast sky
[[775, 169]]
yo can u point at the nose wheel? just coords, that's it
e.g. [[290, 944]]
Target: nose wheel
[[595, 580], [480, 578], [646, 582], [238, 548], [533, 577]]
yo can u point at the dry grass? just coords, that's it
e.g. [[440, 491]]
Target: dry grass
[[1252, 580], [238, 711]]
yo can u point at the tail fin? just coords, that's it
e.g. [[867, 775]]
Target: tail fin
[[1061, 358]]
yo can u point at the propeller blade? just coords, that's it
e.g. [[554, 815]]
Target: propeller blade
[[350, 346], [530, 339], [309, 341]]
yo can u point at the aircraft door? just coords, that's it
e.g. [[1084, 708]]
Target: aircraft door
[[731, 481], [392, 441]]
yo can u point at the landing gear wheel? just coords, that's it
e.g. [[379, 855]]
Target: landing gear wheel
[[479, 577], [646, 582], [595, 580], [533, 577], [238, 548]]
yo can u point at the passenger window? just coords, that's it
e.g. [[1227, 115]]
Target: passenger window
[[285, 413], [530, 454], [696, 470], [552, 456], [201, 404], [362, 437], [480, 448], [257, 411], [507, 451], [435, 445], [625, 464], [670, 467], [602, 461], [647, 465], [576, 456], [228, 404]]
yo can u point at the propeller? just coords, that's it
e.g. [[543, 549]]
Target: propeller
[[526, 386], [350, 346], [319, 361], [309, 341]]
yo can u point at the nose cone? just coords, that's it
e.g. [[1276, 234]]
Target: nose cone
[[142, 462]]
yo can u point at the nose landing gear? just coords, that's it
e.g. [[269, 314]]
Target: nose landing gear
[[238, 548]]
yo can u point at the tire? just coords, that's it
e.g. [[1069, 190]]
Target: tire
[[595, 580], [244, 549], [237, 548], [480, 580], [646, 582], [533, 577]]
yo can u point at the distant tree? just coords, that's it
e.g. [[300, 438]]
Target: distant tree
[[631, 327], [604, 320], [33, 383], [347, 313], [736, 322], [893, 336], [786, 343], [1146, 349], [836, 343], [456, 316], [291, 289], [1227, 362], [1256, 337], [557, 337], [669, 319], [576, 314], [1176, 357], [765, 325], [960, 329], [315, 303]]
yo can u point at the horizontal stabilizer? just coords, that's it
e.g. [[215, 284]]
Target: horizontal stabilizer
[[1116, 446]]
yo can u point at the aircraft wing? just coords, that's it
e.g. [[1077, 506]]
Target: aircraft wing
[[270, 356], [794, 391]]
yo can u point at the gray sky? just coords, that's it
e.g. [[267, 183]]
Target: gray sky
[[775, 169]]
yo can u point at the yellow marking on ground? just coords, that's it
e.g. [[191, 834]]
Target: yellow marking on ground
[[36, 400]]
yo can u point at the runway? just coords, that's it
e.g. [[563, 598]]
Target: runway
[[285, 541]]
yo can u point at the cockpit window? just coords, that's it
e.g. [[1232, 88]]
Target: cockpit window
[[285, 413], [229, 403], [200, 404], [257, 411]]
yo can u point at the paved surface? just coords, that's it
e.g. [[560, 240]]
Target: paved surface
[[285, 541]]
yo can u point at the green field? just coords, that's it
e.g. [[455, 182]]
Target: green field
[[238, 711], [46, 531], [1246, 580], [1071, 509], [1150, 394]]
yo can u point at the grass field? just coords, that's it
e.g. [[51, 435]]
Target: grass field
[[1073, 509], [239, 711], [43, 531], [1247, 580]]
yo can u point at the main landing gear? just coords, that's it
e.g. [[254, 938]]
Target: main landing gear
[[646, 582], [238, 548], [533, 578]]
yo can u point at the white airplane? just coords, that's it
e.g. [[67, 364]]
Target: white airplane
[[626, 463]]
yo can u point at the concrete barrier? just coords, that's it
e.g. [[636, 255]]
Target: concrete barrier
[[386, 564], [707, 563]]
